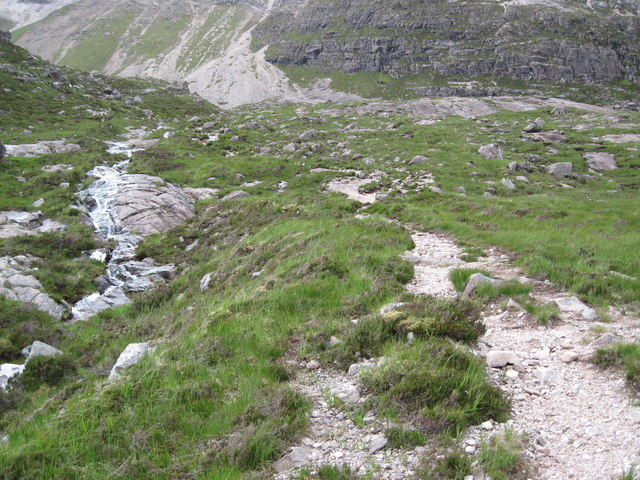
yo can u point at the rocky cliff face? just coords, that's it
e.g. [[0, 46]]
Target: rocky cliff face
[[545, 41]]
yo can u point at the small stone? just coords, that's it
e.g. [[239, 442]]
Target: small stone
[[508, 184], [377, 444], [488, 425], [570, 304], [205, 282], [354, 369], [38, 203], [40, 349], [560, 169], [313, 365], [411, 338], [235, 195], [590, 314], [569, 357], [130, 356], [512, 374], [334, 341], [491, 152], [417, 160], [461, 190], [605, 339], [512, 304], [502, 358]]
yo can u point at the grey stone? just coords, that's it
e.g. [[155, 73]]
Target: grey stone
[[548, 137], [392, 307], [508, 184], [235, 195], [570, 304], [130, 356], [534, 126], [569, 357], [40, 349], [605, 339], [435, 189], [418, 159], [475, 280], [503, 358], [308, 135], [560, 169], [377, 443], [205, 282], [461, 190], [491, 152], [601, 161]]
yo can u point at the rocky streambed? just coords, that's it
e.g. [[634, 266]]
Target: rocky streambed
[[124, 208]]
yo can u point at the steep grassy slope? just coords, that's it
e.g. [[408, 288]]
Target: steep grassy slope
[[291, 266]]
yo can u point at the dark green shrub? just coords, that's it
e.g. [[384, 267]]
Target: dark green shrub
[[46, 370]]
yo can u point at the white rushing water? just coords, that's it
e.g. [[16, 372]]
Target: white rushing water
[[101, 199]]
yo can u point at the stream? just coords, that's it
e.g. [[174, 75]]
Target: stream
[[123, 273]]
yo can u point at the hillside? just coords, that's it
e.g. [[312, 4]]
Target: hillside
[[424, 289], [404, 49]]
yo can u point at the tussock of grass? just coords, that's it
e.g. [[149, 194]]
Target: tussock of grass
[[443, 383], [500, 456], [625, 356]]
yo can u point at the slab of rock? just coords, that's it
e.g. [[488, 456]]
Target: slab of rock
[[235, 195], [377, 443], [570, 304], [130, 356], [417, 160], [475, 280], [548, 137], [41, 148], [17, 284], [40, 349], [147, 204], [622, 138], [296, 458], [205, 282], [560, 169], [508, 184], [601, 161], [308, 135], [95, 303], [491, 152], [504, 358]]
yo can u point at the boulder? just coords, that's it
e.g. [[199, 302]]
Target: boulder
[[17, 284], [560, 169], [475, 280], [570, 304], [503, 358], [548, 137], [147, 204], [601, 161], [41, 148], [491, 152], [508, 184], [308, 135], [235, 195], [205, 282], [534, 126], [130, 356], [40, 349], [95, 303], [417, 160]]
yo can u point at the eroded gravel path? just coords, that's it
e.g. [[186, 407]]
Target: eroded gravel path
[[334, 439], [581, 421]]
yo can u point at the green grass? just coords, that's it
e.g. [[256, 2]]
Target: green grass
[[501, 456], [625, 356]]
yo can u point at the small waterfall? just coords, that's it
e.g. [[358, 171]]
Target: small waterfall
[[122, 272]]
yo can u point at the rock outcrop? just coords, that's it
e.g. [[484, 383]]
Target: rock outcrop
[[17, 284], [148, 204], [530, 42]]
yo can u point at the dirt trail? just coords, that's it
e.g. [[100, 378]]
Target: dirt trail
[[581, 421], [334, 439]]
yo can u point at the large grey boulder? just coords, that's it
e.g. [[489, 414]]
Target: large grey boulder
[[130, 356], [560, 169], [491, 152], [147, 204], [601, 161], [40, 349], [534, 126]]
